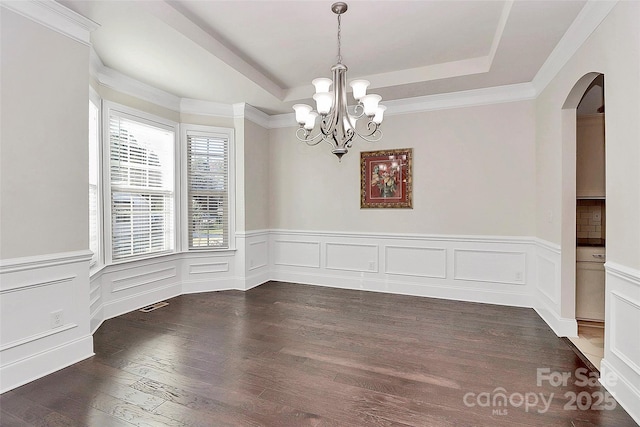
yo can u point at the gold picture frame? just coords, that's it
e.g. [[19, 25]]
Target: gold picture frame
[[385, 179]]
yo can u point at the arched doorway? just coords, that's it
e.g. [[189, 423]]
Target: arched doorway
[[583, 214]]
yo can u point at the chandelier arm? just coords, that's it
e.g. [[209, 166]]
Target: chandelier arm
[[374, 135], [305, 136], [358, 111]]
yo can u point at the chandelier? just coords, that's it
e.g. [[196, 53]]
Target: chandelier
[[337, 125]]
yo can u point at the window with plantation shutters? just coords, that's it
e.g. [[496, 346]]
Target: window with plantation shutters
[[141, 176], [208, 182], [94, 181]]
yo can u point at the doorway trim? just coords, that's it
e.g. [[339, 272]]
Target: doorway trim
[[568, 202]]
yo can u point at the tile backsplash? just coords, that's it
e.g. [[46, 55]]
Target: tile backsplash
[[590, 222]]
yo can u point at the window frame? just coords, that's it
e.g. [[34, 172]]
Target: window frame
[[213, 131], [110, 108], [97, 260]]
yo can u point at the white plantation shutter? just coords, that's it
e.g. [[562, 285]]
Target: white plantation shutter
[[208, 178], [141, 171], [94, 179]]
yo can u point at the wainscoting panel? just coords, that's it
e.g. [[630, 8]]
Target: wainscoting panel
[[208, 267], [489, 266], [487, 269], [257, 258], [548, 278], [143, 278], [47, 301], [415, 261], [625, 311], [135, 284], [208, 271], [622, 337], [257, 254], [96, 301], [296, 253], [351, 257], [548, 261]]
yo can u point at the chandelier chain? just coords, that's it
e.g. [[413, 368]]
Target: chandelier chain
[[339, 40]]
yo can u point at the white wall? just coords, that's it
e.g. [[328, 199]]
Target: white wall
[[43, 168], [256, 176], [613, 49], [44, 266], [621, 67], [473, 174]]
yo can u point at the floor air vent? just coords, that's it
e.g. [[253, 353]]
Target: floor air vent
[[153, 307]]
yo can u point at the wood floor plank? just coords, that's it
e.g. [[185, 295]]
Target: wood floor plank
[[284, 354], [8, 420]]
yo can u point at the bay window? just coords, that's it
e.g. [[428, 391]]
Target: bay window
[[208, 186], [157, 194], [141, 160]]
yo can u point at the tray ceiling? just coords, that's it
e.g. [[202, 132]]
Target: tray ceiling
[[266, 53]]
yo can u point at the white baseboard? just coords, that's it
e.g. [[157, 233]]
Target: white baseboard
[[257, 279], [97, 319], [44, 363], [625, 393], [200, 286], [441, 291], [133, 302], [561, 326]]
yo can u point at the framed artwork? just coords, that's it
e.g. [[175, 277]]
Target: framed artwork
[[385, 179]]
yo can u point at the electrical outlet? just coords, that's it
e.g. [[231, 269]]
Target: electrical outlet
[[519, 276], [372, 265], [56, 319]]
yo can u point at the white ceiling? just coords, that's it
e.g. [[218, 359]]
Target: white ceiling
[[266, 53]]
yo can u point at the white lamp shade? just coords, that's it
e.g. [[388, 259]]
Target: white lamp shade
[[370, 104], [359, 88], [302, 111], [311, 120], [322, 84], [324, 101], [379, 113]]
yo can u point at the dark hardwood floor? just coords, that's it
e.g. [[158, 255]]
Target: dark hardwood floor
[[296, 355]]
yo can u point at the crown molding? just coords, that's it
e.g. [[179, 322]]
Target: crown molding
[[251, 113], [469, 98], [589, 18], [119, 82], [55, 17], [286, 120], [206, 108], [593, 13], [122, 83]]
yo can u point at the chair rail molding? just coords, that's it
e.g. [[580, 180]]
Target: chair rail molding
[[44, 313]]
